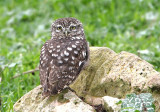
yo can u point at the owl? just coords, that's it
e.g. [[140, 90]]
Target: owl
[[63, 56]]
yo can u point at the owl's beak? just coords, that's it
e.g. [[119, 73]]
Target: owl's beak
[[66, 33]]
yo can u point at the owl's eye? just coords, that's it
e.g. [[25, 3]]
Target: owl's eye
[[59, 28], [72, 27]]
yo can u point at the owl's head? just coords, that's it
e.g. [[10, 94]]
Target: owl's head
[[66, 27]]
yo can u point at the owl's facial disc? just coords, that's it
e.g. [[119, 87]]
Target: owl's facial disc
[[66, 28]]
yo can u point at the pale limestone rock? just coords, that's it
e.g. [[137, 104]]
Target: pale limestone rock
[[34, 102], [75, 105], [94, 100], [107, 74], [112, 74], [110, 104]]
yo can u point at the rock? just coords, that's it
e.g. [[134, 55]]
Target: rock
[[63, 102], [90, 79], [110, 104], [107, 74], [112, 74]]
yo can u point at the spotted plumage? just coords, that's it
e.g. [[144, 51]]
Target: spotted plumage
[[63, 56]]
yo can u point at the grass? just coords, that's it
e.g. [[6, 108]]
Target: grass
[[122, 25]]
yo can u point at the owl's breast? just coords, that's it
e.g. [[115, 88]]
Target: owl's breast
[[71, 53]]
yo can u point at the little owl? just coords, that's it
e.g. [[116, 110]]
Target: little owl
[[63, 56]]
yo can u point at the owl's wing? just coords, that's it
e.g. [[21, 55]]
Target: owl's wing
[[58, 85], [44, 68], [87, 52], [50, 70], [83, 55]]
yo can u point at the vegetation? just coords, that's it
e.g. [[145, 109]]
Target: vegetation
[[138, 103], [122, 25]]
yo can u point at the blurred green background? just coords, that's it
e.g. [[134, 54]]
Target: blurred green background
[[122, 25]]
